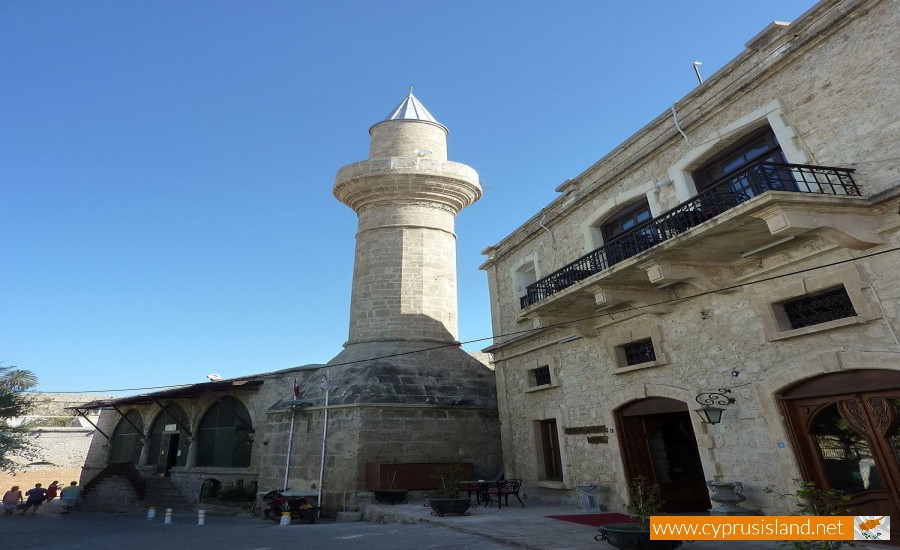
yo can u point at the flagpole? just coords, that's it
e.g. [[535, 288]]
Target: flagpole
[[326, 383], [287, 460]]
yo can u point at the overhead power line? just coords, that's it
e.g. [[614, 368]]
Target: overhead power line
[[527, 331]]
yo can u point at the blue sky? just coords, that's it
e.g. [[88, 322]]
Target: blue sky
[[166, 167]]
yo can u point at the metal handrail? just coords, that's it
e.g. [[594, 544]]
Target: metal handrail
[[722, 195]]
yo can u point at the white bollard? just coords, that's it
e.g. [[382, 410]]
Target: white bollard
[[201, 517], [151, 513], [285, 518], [168, 519]]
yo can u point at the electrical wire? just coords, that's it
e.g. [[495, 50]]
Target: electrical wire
[[520, 332]]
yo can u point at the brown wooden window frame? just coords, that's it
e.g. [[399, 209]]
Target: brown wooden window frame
[[550, 450], [701, 177]]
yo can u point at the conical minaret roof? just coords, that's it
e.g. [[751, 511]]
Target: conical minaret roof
[[412, 109]]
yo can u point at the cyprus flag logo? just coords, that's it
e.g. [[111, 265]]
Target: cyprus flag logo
[[871, 527]]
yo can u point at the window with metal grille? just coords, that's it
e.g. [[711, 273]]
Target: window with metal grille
[[820, 308], [540, 376], [639, 352]]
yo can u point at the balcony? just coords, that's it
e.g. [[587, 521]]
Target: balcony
[[723, 196]]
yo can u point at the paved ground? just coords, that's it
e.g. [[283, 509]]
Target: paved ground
[[99, 531], [530, 529], [398, 527]]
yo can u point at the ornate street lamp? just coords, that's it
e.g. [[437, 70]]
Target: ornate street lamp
[[709, 413]]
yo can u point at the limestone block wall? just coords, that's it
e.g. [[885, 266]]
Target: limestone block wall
[[705, 339], [404, 276], [430, 406], [114, 494], [409, 139], [358, 435], [825, 85]]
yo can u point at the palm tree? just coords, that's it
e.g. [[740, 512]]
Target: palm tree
[[16, 379], [14, 402]]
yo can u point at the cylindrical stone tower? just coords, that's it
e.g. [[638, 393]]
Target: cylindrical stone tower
[[402, 391], [407, 195]]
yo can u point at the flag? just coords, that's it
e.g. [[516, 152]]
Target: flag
[[296, 389], [325, 381]]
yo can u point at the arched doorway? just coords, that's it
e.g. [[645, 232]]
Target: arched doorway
[[168, 445], [845, 428], [658, 442]]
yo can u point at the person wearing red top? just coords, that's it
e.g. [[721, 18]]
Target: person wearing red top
[[52, 490]]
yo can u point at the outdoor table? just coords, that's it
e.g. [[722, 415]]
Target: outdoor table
[[484, 486]]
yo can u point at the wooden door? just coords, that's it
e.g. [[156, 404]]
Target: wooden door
[[168, 454], [849, 438], [658, 442]]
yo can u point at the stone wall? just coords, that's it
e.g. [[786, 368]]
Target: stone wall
[[60, 442]]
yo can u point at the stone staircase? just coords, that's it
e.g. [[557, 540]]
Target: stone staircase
[[161, 493]]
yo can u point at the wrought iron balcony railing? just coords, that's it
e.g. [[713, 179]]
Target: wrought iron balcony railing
[[723, 195]]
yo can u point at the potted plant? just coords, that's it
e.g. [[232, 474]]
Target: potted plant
[[812, 500], [389, 494], [449, 478], [644, 501]]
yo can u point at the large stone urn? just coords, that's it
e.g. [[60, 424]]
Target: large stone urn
[[728, 494]]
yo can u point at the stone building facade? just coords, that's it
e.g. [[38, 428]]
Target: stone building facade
[[401, 392], [738, 252]]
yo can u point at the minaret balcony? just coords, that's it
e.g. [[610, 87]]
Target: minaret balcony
[[452, 184], [759, 207]]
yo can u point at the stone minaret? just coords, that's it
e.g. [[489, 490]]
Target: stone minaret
[[402, 390], [407, 195]]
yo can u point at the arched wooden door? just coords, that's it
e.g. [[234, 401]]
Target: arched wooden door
[[658, 442], [846, 433]]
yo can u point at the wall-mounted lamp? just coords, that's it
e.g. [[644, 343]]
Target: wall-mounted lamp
[[708, 412]]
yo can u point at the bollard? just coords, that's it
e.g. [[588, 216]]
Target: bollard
[[151, 513], [168, 519], [201, 517], [285, 518]]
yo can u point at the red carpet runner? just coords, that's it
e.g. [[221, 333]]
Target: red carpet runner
[[594, 520]]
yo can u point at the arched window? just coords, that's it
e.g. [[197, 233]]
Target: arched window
[[622, 236], [168, 442], [224, 435], [126, 443]]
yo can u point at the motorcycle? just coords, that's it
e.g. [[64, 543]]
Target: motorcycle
[[299, 507]]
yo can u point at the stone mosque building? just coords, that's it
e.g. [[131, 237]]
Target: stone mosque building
[[403, 396]]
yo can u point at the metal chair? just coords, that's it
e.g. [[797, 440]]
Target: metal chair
[[505, 488]]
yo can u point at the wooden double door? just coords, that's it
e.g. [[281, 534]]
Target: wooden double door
[[846, 433], [658, 443]]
